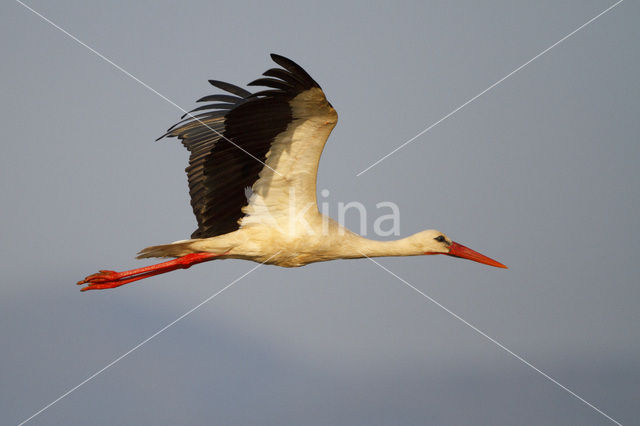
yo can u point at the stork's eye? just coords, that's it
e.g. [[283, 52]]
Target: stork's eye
[[440, 239]]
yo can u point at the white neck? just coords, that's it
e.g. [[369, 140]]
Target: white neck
[[363, 247]]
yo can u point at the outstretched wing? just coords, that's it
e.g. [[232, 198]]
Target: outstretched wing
[[270, 141]]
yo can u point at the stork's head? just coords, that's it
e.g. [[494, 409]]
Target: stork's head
[[435, 242]]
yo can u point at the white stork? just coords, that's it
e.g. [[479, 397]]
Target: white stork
[[269, 141]]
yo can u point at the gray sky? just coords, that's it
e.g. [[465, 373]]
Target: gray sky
[[539, 173]]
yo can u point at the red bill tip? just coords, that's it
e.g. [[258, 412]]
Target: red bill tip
[[458, 250]]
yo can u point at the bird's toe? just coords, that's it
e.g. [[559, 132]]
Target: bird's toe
[[100, 277]]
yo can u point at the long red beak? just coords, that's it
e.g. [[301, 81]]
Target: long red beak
[[458, 250]]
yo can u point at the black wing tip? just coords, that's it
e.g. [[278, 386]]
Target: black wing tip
[[275, 57], [295, 69], [279, 58], [231, 88]]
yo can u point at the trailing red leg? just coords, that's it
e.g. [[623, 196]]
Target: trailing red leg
[[111, 279]]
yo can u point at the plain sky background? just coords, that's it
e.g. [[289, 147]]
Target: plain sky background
[[540, 173]]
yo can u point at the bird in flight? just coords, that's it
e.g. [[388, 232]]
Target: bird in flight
[[252, 180]]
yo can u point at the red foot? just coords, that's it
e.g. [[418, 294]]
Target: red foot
[[111, 279]]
